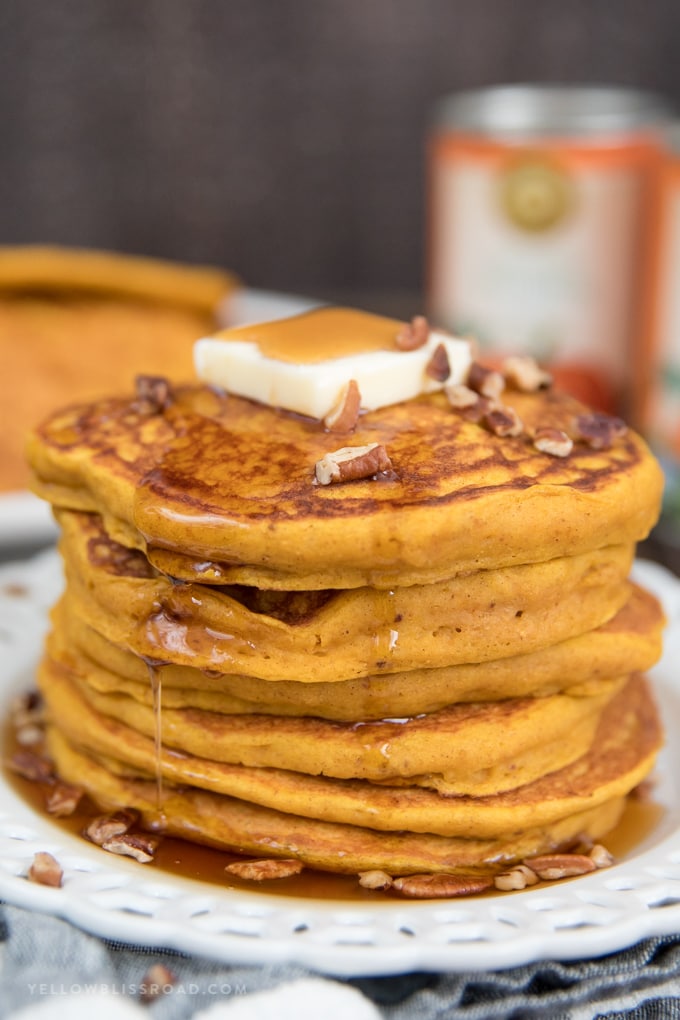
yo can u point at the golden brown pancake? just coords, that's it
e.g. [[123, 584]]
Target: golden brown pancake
[[478, 748], [337, 635], [630, 641], [220, 489], [235, 825], [75, 323], [344, 824]]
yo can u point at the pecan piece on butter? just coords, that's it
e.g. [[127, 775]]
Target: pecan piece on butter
[[62, 799], [599, 431], [260, 870], [485, 381], [129, 844], [106, 827], [45, 870], [375, 879], [438, 367], [352, 462], [551, 867], [413, 334], [153, 394], [503, 421], [554, 442], [441, 886], [344, 416], [525, 374]]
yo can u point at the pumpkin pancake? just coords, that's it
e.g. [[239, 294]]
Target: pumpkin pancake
[[337, 635], [478, 748], [221, 489], [63, 311], [630, 641], [234, 825], [349, 816]]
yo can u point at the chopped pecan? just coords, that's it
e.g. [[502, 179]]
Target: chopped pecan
[[45, 870], [441, 886], [129, 844], [599, 431], [30, 736], [62, 799], [157, 981], [414, 334], [32, 766], [375, 879], [438, 367], [153, 394], [260, 870], [27, 708], [518, 877], [554, 866], [503, 421], [477, 412], [106, 827], [600, 856], [352, 462], [344, 416], [485, 381], [461, 396], [644, 790], [554, 442], [525, 374]]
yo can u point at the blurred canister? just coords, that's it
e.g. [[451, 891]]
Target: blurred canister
[[537, 214], [657, 370]]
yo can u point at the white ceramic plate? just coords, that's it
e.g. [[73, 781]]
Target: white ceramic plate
[[120, 899]]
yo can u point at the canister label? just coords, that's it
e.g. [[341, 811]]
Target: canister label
[[661, 366], [537, 247]]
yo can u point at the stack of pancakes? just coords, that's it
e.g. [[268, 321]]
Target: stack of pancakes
[[62, 310], [435, 669]]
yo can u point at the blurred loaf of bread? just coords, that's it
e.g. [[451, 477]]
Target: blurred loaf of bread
[[76, 323]]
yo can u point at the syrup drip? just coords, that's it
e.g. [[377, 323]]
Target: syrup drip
[[386, 634], [156, 692]]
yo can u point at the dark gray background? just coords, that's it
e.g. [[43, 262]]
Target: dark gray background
[[280, 138]]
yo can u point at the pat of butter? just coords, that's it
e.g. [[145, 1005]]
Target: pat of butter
[[303, 363]]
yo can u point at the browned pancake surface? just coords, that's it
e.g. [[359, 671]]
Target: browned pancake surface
[[223, 489]]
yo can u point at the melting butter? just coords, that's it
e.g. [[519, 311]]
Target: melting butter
[[303, 363]]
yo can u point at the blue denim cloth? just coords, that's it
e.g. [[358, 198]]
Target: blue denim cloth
[[44, 957]]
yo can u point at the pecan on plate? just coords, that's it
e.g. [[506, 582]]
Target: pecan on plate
[[260, 870]]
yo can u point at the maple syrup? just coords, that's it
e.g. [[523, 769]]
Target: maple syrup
[[344, 331], [156, 689]]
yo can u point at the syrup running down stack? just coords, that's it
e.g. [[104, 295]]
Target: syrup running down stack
[[392, 637]]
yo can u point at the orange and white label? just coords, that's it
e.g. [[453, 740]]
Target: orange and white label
[[537, 248], [661, 418]]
